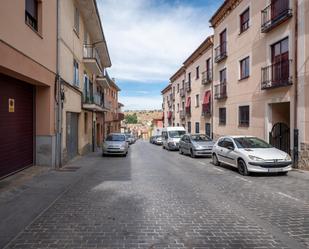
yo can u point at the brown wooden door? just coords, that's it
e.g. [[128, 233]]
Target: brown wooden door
[[16, 125], [280, 62]]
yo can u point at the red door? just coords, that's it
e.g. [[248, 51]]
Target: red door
[[16, 125]]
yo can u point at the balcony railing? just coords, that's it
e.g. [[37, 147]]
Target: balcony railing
[[206, 109], [277, 75], [206, 77], [91, 53], [274, 14], [188, 86], [182, 93], [182, 114], [220, 52], [120, 116], [220, 91]]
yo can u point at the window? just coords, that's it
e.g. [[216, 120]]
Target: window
[[197, 72], [76, 21], [244, 68], [197, 127], [178, 107], [222, 116], [189, 127], [76, 73], [178, 88], [244, 116], [223, 76], [189, 77], [31, 13], [244, 20], [197, 100], [207, 129]]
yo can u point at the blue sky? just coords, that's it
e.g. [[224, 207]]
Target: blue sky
[[148, 40]]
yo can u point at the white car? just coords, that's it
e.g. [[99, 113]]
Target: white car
[[250, 154]]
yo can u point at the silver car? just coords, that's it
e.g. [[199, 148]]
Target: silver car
[[196, 145], [115, 144]]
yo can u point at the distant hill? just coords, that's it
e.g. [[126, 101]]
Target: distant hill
[[145, 116]]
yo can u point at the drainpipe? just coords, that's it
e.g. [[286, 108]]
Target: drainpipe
[[295, 140], [58, 98]]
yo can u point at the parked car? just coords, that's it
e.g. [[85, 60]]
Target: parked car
[[196, 145], [158, 140], [151, 140], [130, 139], [250, 154], [171, 137], [115, 144]]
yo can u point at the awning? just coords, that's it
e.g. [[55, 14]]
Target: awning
[[169, 115], [188, 104], [207, 97]]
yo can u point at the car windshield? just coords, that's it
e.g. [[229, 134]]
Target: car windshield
[[200, 138], [251, 143], [115, 137], [176, 134]]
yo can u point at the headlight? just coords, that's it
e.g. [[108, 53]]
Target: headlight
[[288, 158], [254, 158]]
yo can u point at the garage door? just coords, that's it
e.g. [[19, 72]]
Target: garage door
[[16, 125], [72, 134]]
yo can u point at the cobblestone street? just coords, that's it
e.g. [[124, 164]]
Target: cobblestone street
[[160, 199]]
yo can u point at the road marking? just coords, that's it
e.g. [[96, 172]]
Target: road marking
[[202, 163], [238, 177], [288, 196], [218, 169]]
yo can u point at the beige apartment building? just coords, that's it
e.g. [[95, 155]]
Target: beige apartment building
[[191, 91], [27, 84], [167, 106], [82, 67], [260, 74]]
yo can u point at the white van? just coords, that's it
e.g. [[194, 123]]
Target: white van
[[171, 137]]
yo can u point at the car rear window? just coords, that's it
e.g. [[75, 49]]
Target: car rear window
[[115, 137]]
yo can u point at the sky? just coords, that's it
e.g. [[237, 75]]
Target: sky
[[148, 40]]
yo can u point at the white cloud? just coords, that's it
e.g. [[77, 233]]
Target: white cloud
[[148, 42], [141, 103]]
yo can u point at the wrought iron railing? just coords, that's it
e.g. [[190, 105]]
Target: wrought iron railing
[[206, 109], [206, 77], [277, 75], [188, 86], [90, 52], [221, 52], [182, 93], [182, 114], [220, 91], [275, 13]]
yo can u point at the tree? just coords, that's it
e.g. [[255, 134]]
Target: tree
[[131, 118]]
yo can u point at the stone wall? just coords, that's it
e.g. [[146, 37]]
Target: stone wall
[[303, 162]]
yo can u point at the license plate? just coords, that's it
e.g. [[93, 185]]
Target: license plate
[[275, 170]]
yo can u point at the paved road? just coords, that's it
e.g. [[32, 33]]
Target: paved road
[[160, 199]]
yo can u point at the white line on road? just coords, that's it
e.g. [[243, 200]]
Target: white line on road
[[288, 196], [202, 163], [218, 169], [238, 177]]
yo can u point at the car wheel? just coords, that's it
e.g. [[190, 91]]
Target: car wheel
[[215, 160], [242, 168], [192, 154]]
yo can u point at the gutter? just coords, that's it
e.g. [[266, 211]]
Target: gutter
[[296, 133]]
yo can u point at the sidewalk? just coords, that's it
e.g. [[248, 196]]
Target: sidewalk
[[27, 194]]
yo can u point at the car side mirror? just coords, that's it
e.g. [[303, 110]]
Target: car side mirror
[[230, 148]]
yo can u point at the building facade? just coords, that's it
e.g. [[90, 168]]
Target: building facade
[[84, 81], [27, 84], [259, 76], [167, 106]]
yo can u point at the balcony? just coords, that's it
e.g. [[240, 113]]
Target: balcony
[[277, 75], [169, 115], [93, 103], [206, 110], [182, 93], [220, 52], [102, 81], [188, 86], [182, 114], [188, 111], [274, 14], [206, 77], [119, 116], [220, 91], [91, 59]]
